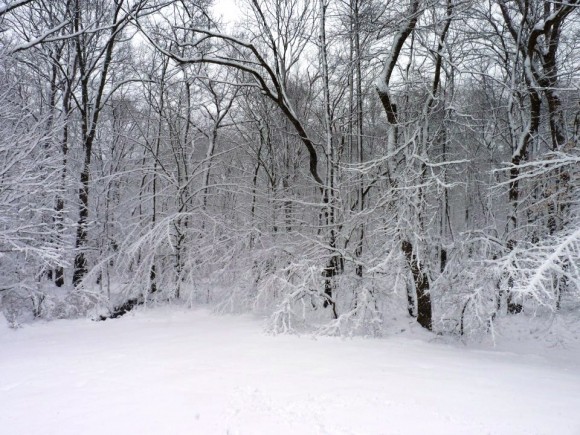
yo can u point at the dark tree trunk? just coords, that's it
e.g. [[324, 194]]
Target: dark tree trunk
[[330, 272], [80, 264], [421, 281], [90, 117]]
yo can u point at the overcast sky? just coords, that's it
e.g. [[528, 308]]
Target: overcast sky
[[228, 9]]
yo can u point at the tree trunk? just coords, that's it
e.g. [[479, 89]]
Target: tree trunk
[[421, 281], [90, 116], [332, 267]]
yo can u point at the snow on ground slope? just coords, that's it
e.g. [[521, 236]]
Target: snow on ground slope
[[176, 371]]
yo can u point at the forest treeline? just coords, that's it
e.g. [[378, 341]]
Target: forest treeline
[[329, 163]]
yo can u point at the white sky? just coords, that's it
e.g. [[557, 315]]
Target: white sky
[[228, 9]]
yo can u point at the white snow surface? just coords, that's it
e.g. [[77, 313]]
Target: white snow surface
[[180, 371]]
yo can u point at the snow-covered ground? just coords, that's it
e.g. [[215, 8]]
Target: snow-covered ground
[[178, 371]]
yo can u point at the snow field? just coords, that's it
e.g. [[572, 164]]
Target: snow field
[[178, 371]]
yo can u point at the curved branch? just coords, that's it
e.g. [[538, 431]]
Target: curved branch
[[413, 13], [277, 95]]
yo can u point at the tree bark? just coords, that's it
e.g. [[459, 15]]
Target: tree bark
[[421, 280]]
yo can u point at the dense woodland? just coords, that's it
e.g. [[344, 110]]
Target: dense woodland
[[327, 163]]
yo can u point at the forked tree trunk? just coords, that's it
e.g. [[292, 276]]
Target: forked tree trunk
[[420, 279], [90, 117]]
